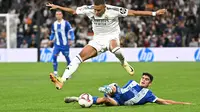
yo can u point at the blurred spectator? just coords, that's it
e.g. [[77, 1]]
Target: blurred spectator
[[45, 42], [171, 42], [2, 43], [199, 42], [81, 42], [33, 44], [153, 41], [173, 30], [193, 43], [24, 44], [132, 43]]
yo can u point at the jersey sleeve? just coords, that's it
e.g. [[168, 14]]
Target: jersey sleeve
[[69, 31], [151, 97], [52, 32], [120, 11], [83, 10]]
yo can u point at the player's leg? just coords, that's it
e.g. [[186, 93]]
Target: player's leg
[[96, 100], [105, 100], [56, 51], [65, 52], [54, 76], [86, 53], [116, 50], [71, 99], [67, 59]]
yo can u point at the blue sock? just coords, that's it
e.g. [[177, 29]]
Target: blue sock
[[94, 99], [68, 60], [55, 63]]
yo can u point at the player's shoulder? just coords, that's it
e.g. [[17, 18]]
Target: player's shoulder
[[131, 82], [65, 21], [112, 8], [55, 23], [116, 9], [149, 92], [87, 7]]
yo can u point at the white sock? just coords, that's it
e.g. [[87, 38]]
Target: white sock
[[118, 53], [55, 73], [72, 67]]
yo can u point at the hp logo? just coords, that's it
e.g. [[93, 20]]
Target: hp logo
[[46, 55], [145, 55], [100, 58], [197, 55]]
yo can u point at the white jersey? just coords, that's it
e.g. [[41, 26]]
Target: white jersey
[[108, 23]]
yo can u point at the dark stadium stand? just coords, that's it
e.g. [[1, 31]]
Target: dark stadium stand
[[179, 28]]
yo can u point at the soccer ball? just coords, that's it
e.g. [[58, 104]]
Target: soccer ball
[[85, 100]]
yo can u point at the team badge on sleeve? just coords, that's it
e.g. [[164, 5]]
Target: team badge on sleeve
[[122, 10]]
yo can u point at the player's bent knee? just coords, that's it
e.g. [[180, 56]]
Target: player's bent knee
[[88, 52], [115, 49], [110, 102], [107, 102]]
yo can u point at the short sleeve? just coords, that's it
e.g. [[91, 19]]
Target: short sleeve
[[151, 97], [122, 12], [82, 10]]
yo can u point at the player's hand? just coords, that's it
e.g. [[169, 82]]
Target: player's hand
[[70, 42], [50, 43], [52, 6], [161, 12], [187, 103]]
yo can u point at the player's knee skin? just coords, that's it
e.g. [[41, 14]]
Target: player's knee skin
[[108, 102], [113, 45], [87, 52]]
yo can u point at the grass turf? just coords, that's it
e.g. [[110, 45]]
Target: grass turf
[[25, 87]]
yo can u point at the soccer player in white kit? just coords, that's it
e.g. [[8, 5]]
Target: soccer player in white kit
[[106, 30]]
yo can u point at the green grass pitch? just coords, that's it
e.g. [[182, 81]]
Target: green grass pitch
[[25, 87]]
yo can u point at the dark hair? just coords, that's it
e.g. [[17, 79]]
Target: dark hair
[[149, 75], [99, 2], [59, 11]]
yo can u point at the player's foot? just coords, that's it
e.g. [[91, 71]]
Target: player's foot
[[71, 99], [106, 89], [129, 68], [55, 74], [57, 81]]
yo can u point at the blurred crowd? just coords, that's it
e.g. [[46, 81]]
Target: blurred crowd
[[179, 28]]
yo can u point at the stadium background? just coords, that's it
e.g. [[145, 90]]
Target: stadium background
[[179, 28], [25, 87]]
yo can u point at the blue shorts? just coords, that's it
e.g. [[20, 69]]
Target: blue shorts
[[63, 49], [117, 98]]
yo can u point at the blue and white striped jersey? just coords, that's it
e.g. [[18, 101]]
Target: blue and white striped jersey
[[61, 32], [133, 94]]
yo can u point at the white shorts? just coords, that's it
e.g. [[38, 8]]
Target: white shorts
[[102, 44]]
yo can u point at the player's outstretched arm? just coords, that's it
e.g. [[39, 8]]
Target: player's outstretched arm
[[69, 10], [147, 13], [167, 102]]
